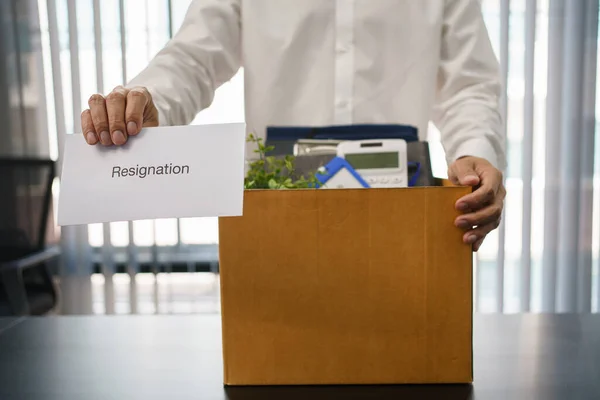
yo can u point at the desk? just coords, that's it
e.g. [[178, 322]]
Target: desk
[[8, 322], [528, 357]]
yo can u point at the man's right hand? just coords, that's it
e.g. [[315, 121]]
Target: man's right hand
[[122, 113]]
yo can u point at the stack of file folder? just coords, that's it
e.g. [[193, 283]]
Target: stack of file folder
[[315, 147]]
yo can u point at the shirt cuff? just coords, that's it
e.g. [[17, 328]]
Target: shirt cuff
[[162, 117], [160, 105], [476, 147]]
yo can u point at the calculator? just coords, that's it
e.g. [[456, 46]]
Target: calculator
[[381, 163]]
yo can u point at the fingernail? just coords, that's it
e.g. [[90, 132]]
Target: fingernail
[[470, 180], [463, 206], [462, 224], [118, 137], [131, 128], [105, 137], [91, 137], [471, 239]]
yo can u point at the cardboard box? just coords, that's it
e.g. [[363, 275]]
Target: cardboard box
[[351, 286]]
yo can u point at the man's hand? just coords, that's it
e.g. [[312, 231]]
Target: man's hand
[[112, 119], [481, 209]]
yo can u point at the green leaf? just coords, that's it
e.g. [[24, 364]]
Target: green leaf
[[269, 172]]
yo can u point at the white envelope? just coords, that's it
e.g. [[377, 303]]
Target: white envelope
[[163, 172]]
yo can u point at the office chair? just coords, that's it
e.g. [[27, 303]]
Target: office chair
[[26, 285]]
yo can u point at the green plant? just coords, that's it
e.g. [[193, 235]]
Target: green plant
[[270, 172]]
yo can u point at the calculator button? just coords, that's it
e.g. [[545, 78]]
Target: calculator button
[[372, 180], [396, 180], [384, 180]]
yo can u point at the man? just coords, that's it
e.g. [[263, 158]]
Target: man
[[330, 62]]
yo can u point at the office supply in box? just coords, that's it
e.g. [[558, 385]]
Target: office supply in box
[[300, 141], [315, 147], [414, 172], [418, 155], [346, 287], [309, 164], [419, 169], [381, 162], [284, 138], [339, 174]]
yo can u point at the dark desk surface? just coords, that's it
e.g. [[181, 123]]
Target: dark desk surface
[[179, 358], [7, 323]]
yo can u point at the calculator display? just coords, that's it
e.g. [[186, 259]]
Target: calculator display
[[373, 160]]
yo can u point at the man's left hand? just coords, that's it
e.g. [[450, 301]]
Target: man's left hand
[[482, 209]]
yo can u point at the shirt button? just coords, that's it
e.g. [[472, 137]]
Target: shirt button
[[342, 103], [342, 48]]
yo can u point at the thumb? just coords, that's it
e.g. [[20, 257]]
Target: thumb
[[463, 172]]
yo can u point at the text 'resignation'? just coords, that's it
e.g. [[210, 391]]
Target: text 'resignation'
[[142, 172]]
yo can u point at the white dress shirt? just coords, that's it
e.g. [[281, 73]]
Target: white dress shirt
[[332, 62]]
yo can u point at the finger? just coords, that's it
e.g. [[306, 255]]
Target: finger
[[137, 100], [97, 105], [477, 235], [115, 108], [87, 126], [453, 177], [491, 188], [483, 216], [478, 244], [478, 199], [464, 173]]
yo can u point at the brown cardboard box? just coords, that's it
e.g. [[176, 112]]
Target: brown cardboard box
[[363, 286]]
